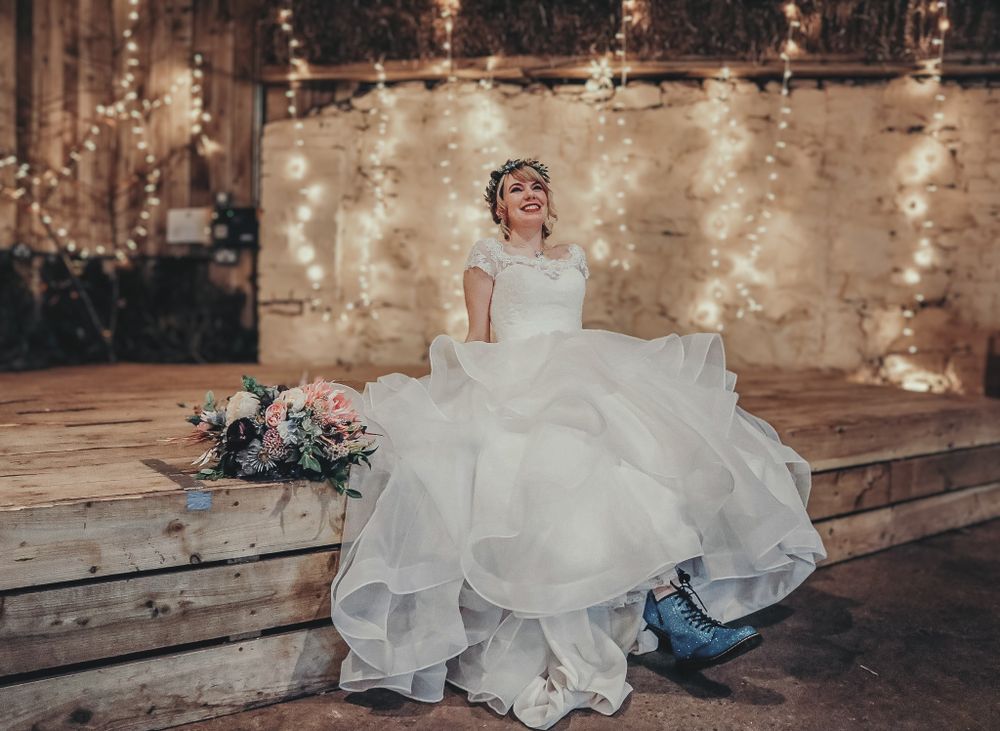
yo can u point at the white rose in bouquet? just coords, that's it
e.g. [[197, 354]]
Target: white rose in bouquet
[[294, 398], [242, 404]]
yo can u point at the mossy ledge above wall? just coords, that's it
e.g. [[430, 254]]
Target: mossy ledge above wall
[[875, 30]]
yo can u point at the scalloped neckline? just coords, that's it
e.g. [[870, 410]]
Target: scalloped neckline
[[528, 257]]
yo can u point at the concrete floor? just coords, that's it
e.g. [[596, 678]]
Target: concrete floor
[[904, 639]]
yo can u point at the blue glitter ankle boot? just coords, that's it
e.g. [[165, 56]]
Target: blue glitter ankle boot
[[686, 630]]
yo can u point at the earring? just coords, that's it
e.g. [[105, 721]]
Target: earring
[[504, 229]]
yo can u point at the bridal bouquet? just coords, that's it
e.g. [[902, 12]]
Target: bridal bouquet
[[267, 432]]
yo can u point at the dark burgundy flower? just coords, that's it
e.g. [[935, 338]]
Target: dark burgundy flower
[[240, 433]]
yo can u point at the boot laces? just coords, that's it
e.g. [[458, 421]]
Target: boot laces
[[698, 616]]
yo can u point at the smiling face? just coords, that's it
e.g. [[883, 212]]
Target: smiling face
[[524, 199]]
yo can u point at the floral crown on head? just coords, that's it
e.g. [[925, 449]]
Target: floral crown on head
[[497, 175]]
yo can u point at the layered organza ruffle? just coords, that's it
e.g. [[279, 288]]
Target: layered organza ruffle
[[525, 496]]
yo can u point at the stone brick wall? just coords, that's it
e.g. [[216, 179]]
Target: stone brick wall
[[850, 206]]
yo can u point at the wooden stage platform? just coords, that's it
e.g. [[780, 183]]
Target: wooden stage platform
[[133, 596]]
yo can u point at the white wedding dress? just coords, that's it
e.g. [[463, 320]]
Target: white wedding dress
[[527, 493]]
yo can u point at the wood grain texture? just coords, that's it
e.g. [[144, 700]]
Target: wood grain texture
[[59, 62], [81, 501], [848, 490], [862, 533], [70, 624], [8, 113], [153, 528], [528, 69], [182, 687], [108, 573]]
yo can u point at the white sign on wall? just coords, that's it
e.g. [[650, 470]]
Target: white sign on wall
[[189, 226]]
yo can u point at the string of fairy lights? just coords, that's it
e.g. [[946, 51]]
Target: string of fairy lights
[[35, 184], [628, 18], [925, 255], [488, 128], [602, 74], [448, 9], [377, 220], [756, 238], [600, 85], [128, 111], [723, 144], [299, 241]]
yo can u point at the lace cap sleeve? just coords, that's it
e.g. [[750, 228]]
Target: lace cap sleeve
[[580, 255], [482, 256]]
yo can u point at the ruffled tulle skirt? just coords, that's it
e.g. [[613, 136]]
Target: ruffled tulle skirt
[[525, 496]]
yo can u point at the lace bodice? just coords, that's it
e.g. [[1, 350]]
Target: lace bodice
[[532, 295]]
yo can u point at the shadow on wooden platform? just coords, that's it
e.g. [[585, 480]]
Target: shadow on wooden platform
[[134, 596]]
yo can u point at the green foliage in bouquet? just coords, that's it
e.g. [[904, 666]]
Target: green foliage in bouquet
[[269, 432]]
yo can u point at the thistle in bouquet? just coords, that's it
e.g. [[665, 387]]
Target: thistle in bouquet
[[268, 432]]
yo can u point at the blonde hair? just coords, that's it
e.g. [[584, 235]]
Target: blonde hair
[[526, 174]]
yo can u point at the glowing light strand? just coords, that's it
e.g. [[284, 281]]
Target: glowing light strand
[[449, 8], [299, 240], [723, 122], [621, 207], [600, 83], [925, 255], [488, 150], [790, 48], [378, 176], [129, 108]]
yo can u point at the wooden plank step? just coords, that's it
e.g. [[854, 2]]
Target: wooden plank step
[[833, 422], [117, 531], [119, 535], [69, 624], [48, 628], [836, 442], [192, 685], [181, 687], [862, 533], [837, 492]]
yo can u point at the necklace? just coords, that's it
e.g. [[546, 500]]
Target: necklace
[[540, 254]]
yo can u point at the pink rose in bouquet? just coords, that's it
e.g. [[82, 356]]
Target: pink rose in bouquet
[[334, 408], [275, 413]]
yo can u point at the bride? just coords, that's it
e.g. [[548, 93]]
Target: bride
[[544, 504]]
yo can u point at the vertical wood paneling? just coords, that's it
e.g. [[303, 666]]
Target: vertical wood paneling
[[224, 37], [93, 171], [242, 138], [242, 101], [58, 61], [48, 120], [213, 37], [24, 95], [8, 112], [123, 158], [170, 126], [68, 199]]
